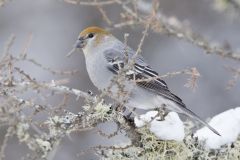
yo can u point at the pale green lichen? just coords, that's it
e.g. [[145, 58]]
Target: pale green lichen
[[229, 152], [44, 145], [34, 143], [21, 131], [54, 124], [152, 148], [147, 145], [101, 111]]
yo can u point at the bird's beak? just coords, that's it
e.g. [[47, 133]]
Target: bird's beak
[[80, 43]]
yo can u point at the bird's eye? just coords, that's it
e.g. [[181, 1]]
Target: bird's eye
[[90, 35]]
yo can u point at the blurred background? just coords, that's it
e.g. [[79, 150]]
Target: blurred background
[[55, 25]]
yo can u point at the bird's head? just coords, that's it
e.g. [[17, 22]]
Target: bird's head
[[91, 37]]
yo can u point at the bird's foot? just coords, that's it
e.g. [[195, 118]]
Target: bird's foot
[[129, 115], [162, 112]]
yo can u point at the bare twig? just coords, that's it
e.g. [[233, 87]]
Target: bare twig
[[54, 87], [5, 141], [236, 75], [26, 47], [163, 26], [104, 14], [100, 3], [100, 132], [8, 45]]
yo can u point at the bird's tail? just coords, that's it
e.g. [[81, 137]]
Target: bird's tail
[[187, 111]]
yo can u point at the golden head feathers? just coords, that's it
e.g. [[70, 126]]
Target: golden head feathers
[[94, 29]]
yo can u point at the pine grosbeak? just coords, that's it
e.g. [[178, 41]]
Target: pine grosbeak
[[106, 57]]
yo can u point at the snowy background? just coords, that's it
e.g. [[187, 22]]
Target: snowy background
[[55, 26]]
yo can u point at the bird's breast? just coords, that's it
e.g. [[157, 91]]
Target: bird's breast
[[97, 71]]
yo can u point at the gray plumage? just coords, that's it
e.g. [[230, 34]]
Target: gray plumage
[[105, 60]]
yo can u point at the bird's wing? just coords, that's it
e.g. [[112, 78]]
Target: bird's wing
[[141, 72]]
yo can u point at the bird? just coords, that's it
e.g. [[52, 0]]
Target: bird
[[106, 58]]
